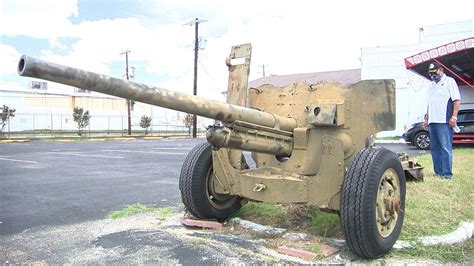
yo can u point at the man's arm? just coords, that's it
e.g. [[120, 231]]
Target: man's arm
[[456, 97], [426, 118], [453, 120]]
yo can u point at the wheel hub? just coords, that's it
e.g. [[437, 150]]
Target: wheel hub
[[217, 200], [388, 202], [423, 141]]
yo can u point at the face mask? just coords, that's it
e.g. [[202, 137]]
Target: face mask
[[436, 77]]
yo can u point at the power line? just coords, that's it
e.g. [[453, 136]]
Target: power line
[[207, 72]]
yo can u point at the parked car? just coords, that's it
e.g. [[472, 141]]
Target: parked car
[[420, 137]]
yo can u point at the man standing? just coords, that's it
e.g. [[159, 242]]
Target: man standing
[[441, 116]]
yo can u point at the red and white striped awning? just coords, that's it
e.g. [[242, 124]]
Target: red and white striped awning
[[456, 57]]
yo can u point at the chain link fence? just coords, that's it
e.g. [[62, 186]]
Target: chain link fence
[[59, 125]]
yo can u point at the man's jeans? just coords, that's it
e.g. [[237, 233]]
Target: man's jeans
[[441, 142]]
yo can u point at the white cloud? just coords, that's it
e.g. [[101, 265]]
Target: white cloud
[[9, 56], [288, 37], [45, 19], [100, 43]]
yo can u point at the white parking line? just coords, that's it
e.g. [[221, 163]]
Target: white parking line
[[153, 152], [86, 155], [20, 161]]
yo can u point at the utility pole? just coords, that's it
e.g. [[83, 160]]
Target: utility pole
[[128, 101], [263, 69], [196, 51]]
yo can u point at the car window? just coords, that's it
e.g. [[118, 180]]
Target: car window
[[466, 117]]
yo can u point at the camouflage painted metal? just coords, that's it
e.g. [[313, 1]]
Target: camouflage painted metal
[[311, 143], [32, 67]]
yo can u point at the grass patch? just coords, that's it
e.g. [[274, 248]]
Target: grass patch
[[263, 213], [68, 140], [316, 249], [324, 224], [294, 216], [437, 206], [138, 208], [463, 252], [64, 140], [433, 207]]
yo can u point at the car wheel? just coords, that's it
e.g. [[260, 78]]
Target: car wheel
[[422, 140]]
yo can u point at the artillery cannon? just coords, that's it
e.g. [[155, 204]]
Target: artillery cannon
[[311, 144]]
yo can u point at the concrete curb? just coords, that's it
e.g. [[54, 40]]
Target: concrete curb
[[102, 138], [14, 140], [463, 233], [381, 141], [152, 138], [73, 139]]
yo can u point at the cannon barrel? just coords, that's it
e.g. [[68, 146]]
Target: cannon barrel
[[35, 68]]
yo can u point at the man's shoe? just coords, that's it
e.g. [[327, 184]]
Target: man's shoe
[[447, 177]]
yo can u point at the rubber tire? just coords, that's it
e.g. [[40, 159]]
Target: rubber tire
[[358, 204], [193, 186], [417, 136]]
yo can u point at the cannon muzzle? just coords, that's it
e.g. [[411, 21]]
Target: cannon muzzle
[[228, 113]]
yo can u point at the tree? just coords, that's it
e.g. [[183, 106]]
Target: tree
[[145, 122], [188, 122], [81, 118], [5, 115]]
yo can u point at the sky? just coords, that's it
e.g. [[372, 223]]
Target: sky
[[287, 36]]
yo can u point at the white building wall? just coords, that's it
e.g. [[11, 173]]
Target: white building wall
[[387, 62], [51, 109]]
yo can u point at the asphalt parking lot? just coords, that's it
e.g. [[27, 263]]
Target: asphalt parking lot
[[402, 147], [48, 183], [55, 197]]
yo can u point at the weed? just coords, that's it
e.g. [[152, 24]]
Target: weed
[[140, 208], [316, 249], [264, 213], [324, 224]]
